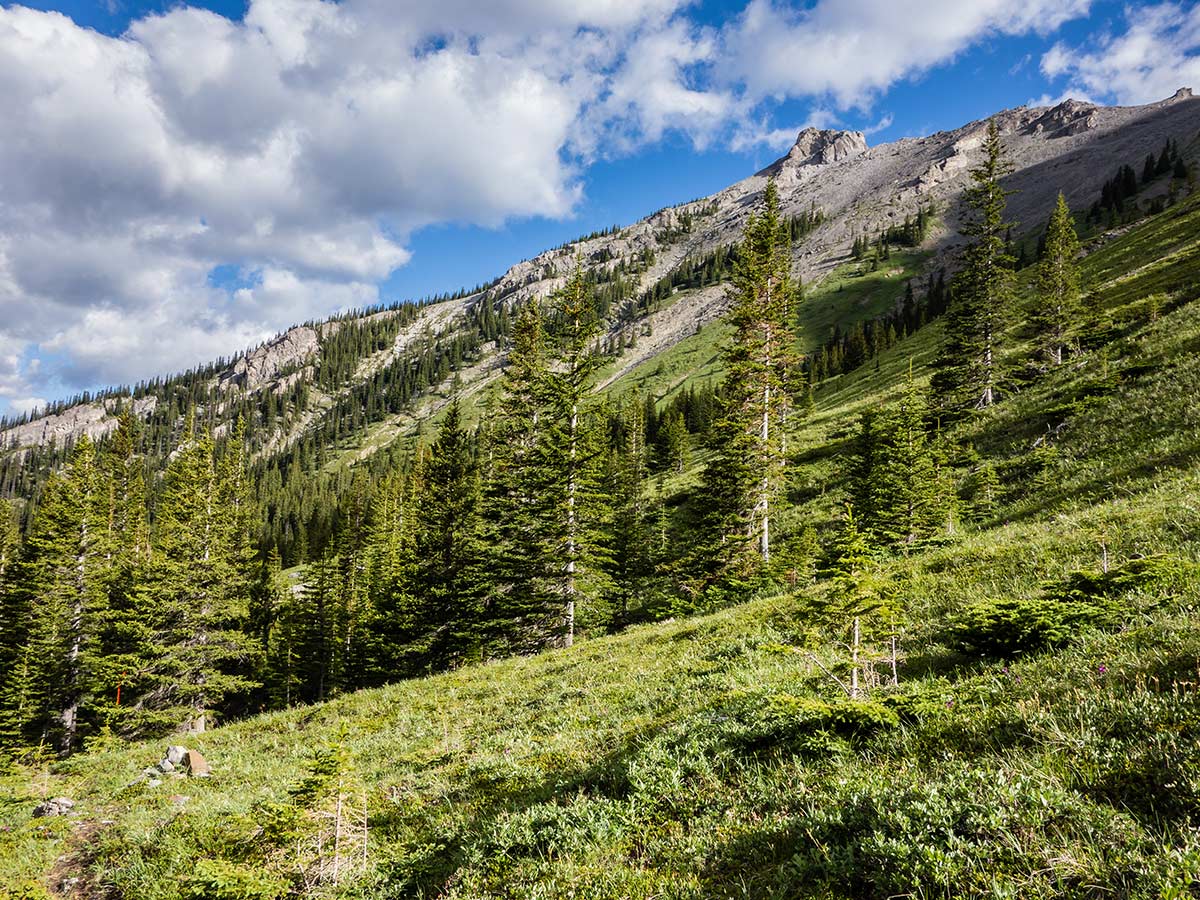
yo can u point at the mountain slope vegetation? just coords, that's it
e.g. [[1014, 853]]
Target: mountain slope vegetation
[[1005, 702]]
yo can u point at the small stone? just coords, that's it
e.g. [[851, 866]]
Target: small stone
[[196, 764], [58, 806], [154, 782], [166, 767], [151, 771], [179, 799], [175, 754]]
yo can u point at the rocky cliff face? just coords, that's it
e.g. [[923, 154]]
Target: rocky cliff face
[[96, 420], [815, 147], [292, 349], [1073, 147]]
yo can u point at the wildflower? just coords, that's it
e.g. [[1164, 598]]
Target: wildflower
[[1102, 670]]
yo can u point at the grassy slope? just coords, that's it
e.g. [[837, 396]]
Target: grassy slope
[[691, 759]]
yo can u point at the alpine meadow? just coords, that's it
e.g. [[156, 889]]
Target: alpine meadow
[[833, 535]]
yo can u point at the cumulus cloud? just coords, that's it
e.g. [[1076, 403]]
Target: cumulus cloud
[[1158, 53], [851, 50], [306, 142]]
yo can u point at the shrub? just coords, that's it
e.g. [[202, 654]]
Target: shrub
[[1011, 627], [216, 879]]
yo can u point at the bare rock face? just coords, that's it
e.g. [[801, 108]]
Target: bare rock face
[[819, 147], [1068, 118], [252, 371], [96, 419]]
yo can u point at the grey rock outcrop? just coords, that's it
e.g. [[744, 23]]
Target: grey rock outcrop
[[57, 806], [1072, 146], [294, 347], [821, 147]]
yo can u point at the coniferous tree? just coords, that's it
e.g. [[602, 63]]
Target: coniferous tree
[[1059, 305], [675, 442], [518, 493], [969, 365], [449, 576], [195, 598], [58, 601], [747, 463], [910, 505], [632, 539], [573, 459], [391, 567]]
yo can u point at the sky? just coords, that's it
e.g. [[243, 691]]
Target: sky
[[180, 181]]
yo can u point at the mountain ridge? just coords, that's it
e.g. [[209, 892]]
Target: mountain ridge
[[860, 190]]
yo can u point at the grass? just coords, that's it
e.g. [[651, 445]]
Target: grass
[[714, 757]]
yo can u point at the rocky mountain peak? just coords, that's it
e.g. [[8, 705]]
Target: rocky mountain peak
[[820, 146], [1067, 118]]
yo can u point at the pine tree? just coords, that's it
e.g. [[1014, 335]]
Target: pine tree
[[449, 576], [632, 541], [58, 604], [518, 495], [746, 470], [1059, 303], [391, 568], [196, 595], [910, 502], [572, 458], [969, 364], [675, 442]]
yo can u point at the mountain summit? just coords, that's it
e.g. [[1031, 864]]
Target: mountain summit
[[820, 146]]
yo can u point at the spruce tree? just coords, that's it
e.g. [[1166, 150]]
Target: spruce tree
[[746, 468], [675, 443], [969, 365], [449, 576], [195, 598], [632, 539], [572, 455], [518, 494], [1059, 306], [58, 605], [391, 567]]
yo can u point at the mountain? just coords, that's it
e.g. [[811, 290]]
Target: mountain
[[859, 190], [1004, 707]]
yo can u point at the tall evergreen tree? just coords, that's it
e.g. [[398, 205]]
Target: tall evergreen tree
[[969, 365], [572, 457], [632, 539], [1059, 304], [391, 567], [518, 493], [195, 598], [58, 600], [449, 576], [746, 468]]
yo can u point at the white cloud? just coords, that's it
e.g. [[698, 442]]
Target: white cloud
[[307, 142], [1158, 53], [851, 50]]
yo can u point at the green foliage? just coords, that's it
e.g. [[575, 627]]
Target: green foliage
[[1010, 627], [968, 375], [1057, 314], [744, 476], [215, 879]]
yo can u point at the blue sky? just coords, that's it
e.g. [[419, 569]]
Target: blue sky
[[179, 181]]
